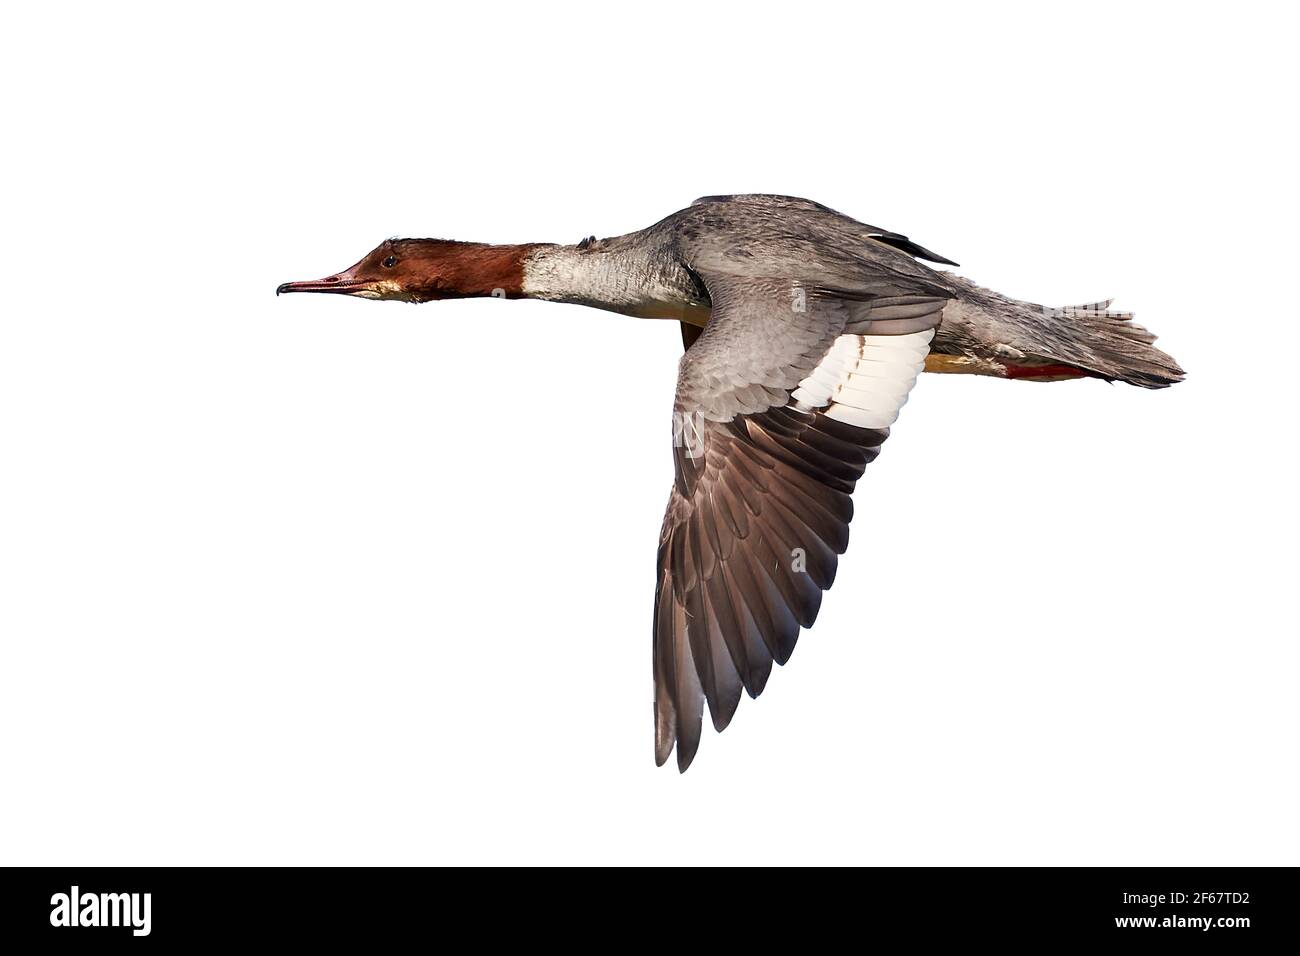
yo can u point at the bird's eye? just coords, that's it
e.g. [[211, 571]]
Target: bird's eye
[[390, 262]]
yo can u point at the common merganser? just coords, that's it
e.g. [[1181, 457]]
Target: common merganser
[[804, 332]]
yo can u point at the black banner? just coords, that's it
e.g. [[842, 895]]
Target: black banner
[[136, 907]]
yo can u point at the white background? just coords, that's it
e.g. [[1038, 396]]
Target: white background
[[319, 580]]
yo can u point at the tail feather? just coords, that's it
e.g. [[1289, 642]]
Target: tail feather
[[1117, 348], [1008, 337]]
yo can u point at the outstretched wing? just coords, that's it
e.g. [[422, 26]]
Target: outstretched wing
[[781, 404]]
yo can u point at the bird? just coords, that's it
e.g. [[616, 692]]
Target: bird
[[804, 331]]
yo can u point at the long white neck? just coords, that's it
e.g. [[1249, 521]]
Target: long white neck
[[622, 280]]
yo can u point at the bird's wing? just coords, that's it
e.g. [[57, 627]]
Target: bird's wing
[[781, 403], [783, 203]]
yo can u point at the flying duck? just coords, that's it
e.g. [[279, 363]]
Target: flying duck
[[804, 332]]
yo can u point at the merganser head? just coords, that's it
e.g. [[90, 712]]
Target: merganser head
[[420, 270]]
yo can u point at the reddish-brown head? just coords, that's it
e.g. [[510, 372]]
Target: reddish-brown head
[[420, 270]]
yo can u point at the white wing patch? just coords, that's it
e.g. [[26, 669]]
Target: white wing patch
[[865, 378]]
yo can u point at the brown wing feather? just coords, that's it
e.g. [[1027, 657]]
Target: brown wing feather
[[744, 556], [781, 403]]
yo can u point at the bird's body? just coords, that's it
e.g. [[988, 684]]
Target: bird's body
[[805, 331], [647, 274]]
